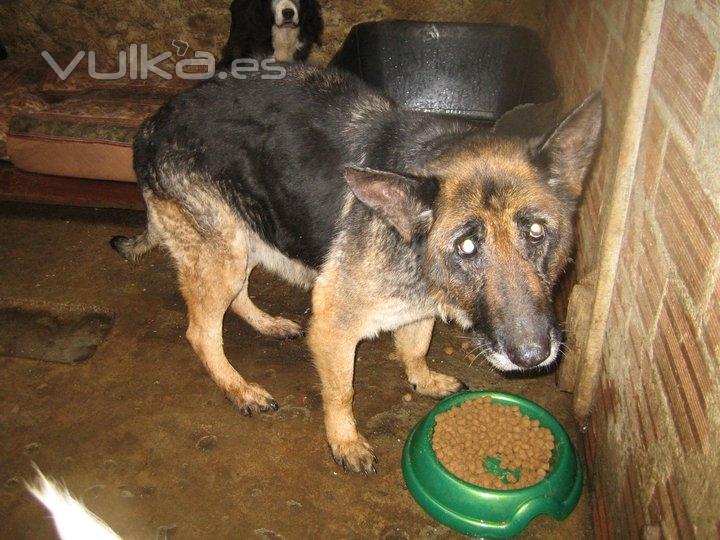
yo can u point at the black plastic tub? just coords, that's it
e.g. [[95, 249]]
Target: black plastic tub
[[479, 71]]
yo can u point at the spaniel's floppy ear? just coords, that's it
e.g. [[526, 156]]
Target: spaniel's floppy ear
[[311, 22], [247, 16]]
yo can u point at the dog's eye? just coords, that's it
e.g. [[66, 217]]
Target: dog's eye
[[467, 247], [536, 233]]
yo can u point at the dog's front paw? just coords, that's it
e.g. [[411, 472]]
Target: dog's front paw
[[436, 385], [253, 398], [354, 455], [284, 329]]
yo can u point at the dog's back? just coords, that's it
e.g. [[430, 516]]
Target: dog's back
[[272, 150]]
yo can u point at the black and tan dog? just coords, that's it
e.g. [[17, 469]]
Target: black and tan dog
[[395, 218]]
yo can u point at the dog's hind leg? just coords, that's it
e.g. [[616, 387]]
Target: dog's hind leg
[[267, 325], [292, 271], [212, 271], [412, 343], [209, 290]]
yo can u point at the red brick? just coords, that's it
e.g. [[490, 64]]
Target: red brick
[[684, 67], [583, 14], [600, 414], [679, 512], [651, 279], [654, 508], [636, 518], [562, 10], [616, 11], [585, 247], [596, 46], [653, 139], [616, 319], [563, 55], [603, 169], [614, 85], [683, 373], [633, 23], [711, 328], [628, 254], [590, 441], [650, 399], [711, 9], [640, 415], [581, 86], [693, 369], [668, 507], [628, 290], [591, 207], [606, 397], [559, 17], [602, 525], [687, 219], [667, 522]]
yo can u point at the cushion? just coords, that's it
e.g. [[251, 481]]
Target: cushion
[[82, 127], [19, 83], [86, 135]]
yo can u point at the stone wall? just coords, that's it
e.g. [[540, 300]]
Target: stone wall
[[108, 26]]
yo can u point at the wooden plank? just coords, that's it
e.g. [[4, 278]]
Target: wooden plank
[[21, 186]]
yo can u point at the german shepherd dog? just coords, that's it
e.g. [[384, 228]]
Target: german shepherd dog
[[393, 217]]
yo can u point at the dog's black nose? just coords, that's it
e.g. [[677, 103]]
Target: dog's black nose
[[529, 355], [288, 14]]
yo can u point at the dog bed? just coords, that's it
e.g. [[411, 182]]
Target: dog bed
[[19, 80], [86, 127], [85, 136], [479, 71]]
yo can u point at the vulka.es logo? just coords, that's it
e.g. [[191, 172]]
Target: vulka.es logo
[[135, 63]]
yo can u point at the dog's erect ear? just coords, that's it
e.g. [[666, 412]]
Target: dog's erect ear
[[569, 149], [406, 202]]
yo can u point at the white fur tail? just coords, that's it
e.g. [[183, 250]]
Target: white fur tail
[[72, 520]]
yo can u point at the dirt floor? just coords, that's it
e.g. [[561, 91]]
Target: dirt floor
[[142, 434]]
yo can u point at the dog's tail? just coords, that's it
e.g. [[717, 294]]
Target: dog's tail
[[72, 520], [133, 248]]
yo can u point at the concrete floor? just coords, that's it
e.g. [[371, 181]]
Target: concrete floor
[[142, 434]]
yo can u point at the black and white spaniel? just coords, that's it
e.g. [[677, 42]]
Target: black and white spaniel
[[283, 29]]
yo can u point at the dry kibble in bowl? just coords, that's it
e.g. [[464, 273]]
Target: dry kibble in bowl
[[492, 445]]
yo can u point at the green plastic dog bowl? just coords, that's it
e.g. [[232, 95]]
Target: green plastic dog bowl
[[484, 512]]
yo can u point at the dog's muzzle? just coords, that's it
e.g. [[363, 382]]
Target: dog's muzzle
[[286, 14], [527, 355]]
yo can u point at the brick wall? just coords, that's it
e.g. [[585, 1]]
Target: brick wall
[[653, 445]]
